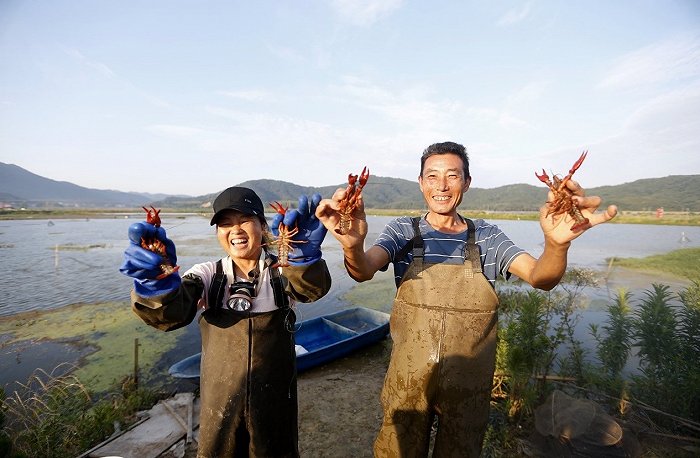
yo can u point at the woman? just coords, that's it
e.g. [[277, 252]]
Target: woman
[[248, 373]]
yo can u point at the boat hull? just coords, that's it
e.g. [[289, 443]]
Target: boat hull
[[318, 340]]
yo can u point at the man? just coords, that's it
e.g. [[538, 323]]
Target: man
[[444, 317], [248, 369]]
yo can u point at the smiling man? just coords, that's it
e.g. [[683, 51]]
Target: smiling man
[[444, 317]]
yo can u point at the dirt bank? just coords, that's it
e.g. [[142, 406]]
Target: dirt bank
[[339, 411]]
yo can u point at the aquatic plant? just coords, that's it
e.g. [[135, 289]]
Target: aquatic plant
[[56, 416]]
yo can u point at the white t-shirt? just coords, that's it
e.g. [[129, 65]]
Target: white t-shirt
[[264, 300]]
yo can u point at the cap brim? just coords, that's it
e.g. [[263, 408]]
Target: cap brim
[[244, 210]]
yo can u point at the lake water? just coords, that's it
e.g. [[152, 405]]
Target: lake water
[[49, 264]]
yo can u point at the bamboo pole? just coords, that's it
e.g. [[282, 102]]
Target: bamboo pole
[[136, 363]]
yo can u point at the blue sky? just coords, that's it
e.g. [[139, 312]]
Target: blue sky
[[189, 97]]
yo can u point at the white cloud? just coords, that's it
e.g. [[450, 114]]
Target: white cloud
[[659, 139], [365, 12], [100, 67], [286, 53], [528, 94], [175, 131], [515, 15], [252, 95], [412, 106], [668, 61]]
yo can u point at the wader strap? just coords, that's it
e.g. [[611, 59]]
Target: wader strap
[[416, 241], [472, 250], [217, 287], [418, 246], [281, 299]]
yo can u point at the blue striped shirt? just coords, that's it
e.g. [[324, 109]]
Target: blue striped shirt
[[496, 249]]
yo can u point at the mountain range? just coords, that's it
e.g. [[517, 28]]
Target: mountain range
[[20, 188]]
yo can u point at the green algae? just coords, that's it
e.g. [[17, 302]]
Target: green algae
[[109, 327], [377, 294]]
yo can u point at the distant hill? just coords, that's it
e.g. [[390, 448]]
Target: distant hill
[[21, 188], [26, 189]]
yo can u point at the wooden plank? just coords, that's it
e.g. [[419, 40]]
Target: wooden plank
[[161, 431]]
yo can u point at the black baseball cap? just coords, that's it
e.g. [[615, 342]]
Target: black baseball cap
[[240, 199]]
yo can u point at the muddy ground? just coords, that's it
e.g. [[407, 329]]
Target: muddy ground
[[339, 410]]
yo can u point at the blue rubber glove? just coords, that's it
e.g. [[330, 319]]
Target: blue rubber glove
[[144, 266], [310, 229]]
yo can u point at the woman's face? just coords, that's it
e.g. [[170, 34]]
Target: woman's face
[[240, 235]]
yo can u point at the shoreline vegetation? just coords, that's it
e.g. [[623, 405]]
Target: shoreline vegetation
[[623, 217]]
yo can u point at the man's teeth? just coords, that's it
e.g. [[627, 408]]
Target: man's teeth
[[237, 241], [441, 198]]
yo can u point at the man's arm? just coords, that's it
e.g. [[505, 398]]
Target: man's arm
[[360, 264], [546, 271]]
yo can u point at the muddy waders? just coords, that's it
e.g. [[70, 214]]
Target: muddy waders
[[443, 327], [248, 385]]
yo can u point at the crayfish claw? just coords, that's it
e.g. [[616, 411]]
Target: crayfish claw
[[544, 178], [578, 163], [580, 225], [152, 216], [279, 208], [364, 176]]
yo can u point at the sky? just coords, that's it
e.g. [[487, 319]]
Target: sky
[[190, 97]]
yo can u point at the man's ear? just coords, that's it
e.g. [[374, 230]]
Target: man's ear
[[467, 183]]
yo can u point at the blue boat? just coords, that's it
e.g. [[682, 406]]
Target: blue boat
[[318, 340]]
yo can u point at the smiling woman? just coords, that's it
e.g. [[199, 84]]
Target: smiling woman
[[246, 320]]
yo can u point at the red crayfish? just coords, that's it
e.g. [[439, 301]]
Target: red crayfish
[[157, 246], [349, 203], [563, 202], [284, 239]]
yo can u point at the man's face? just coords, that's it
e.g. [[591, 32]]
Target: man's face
[[443, 183], [240, 235]]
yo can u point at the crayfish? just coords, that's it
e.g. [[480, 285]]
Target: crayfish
[[349, 203], [563, 202], [284, 239], [157, 246]]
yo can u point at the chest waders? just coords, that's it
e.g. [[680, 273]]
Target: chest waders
[[443, 326], [248, 379]]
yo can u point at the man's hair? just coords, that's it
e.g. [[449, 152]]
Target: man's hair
[[447, 148]]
